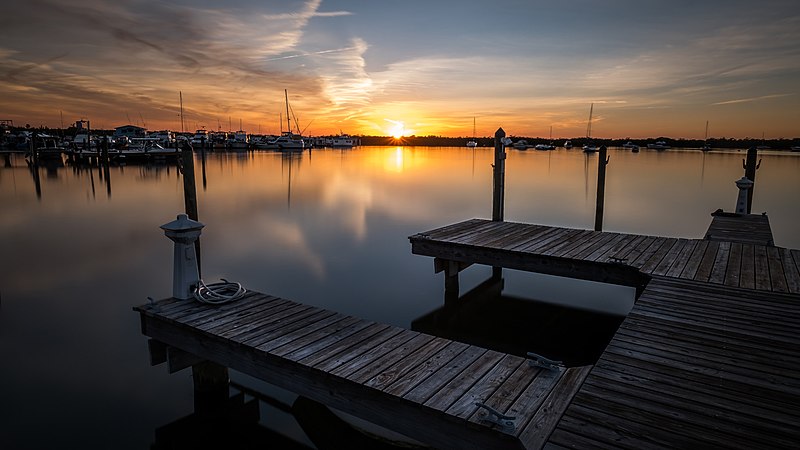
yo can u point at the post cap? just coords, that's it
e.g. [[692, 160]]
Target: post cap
[[744, 183], [182, 224], [499, 133]]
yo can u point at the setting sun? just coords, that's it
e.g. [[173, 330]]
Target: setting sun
[[398, 130]]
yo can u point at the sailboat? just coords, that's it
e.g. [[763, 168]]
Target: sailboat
[[549, 146], [589, 147], [706, 147], [287, 140], [472, 142]]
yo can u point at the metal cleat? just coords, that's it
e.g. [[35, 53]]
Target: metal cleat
[[616, 260], [506, 423], [541, 361]]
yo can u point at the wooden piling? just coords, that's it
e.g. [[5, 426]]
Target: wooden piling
[[499, 172], [750, 167], [602, 162], [190, 193]]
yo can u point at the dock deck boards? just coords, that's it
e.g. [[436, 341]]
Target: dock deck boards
[[741, 228], [414, 383], [694, 365], [708, 357], [613, 257]]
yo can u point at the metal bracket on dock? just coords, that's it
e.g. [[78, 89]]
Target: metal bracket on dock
[[505, 422], [541, 361], [616, 260]]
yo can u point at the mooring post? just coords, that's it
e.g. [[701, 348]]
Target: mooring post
[[211, 383], [745, 186], [106, 168], [750, 167], [190, 192], [602, 162], [499, 172]]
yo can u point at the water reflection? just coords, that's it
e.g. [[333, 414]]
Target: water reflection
[[332, 233]]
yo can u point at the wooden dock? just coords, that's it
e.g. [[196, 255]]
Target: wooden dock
[[741, 228], [423, 386], [616, 258], [708, 357]]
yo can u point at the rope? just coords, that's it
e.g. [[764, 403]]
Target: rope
[[218, 293]]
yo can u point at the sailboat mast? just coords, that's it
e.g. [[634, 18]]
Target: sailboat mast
[[706, 137], [589, 126], [288, 120], [180, 94], [473, 128]]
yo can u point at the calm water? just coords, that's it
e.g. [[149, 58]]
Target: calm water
[[327, 228]]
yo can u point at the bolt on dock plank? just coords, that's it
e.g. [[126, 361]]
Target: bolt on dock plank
[[709, 355], [417, 384]]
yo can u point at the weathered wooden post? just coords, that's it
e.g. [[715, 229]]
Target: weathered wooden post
[[745, 187], [190, 192], [499, 172], [602, 162], [750, 167]]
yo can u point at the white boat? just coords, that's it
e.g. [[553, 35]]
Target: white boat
[[567, 144], [629, 145], [343, 141], [200, 138], [659, 145], [544, 146], [287, 141], [238, 141], [521, 144], [472, 142]]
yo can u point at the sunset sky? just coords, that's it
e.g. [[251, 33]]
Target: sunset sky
[[651, 68]]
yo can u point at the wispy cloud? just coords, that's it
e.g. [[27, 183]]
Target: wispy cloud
[[752, 99]]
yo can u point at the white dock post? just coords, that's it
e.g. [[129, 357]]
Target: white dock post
[[184, 232], [744, 185]]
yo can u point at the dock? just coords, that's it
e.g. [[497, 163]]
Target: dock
[[709, 355], [420, 385]]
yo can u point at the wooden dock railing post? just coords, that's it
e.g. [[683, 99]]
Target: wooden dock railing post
[[602, 162], [499, 172], [750, 172], [190, 192]]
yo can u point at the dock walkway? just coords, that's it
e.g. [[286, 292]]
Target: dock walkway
[[708, 357], [617, 258], [417, 384]]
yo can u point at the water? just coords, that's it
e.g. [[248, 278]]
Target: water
[[327, 228]]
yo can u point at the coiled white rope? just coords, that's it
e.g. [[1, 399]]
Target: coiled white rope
[[218, 293]]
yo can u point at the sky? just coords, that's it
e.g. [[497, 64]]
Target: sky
[[435, 67]]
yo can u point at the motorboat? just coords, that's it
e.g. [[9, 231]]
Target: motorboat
[[343, 141], [659, 145]]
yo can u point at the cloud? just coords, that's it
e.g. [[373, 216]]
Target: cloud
[[752, 99]]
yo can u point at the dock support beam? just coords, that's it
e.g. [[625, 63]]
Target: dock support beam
[[499, 172], [602, 162], [210, 387]]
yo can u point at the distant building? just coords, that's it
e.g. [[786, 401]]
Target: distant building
[[129, 131]]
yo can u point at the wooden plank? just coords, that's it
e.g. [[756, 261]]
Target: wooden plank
[[444, 375], [636, 248], [453, 390], [299, 333], [599, 242], [505, 395], [776, 271], [364, 354], [681, 261], [526, 238], [647, 253], [557, 235], [372, 333], [537, 431], [283, 326], [264, 321], [326, 341], [747, 277], [717, 275], [236, 322], [534, 395], [382, 372], [694, 261], [349, 348], [707, 264], [421, 372], [576, 238], [485, 387], [655, 259], [762, 269], [574, 433], [791, 271], [447, 230], [669, 259], [611, 247], [733, 272]]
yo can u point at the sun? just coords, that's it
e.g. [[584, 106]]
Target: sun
[[398, 130]]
